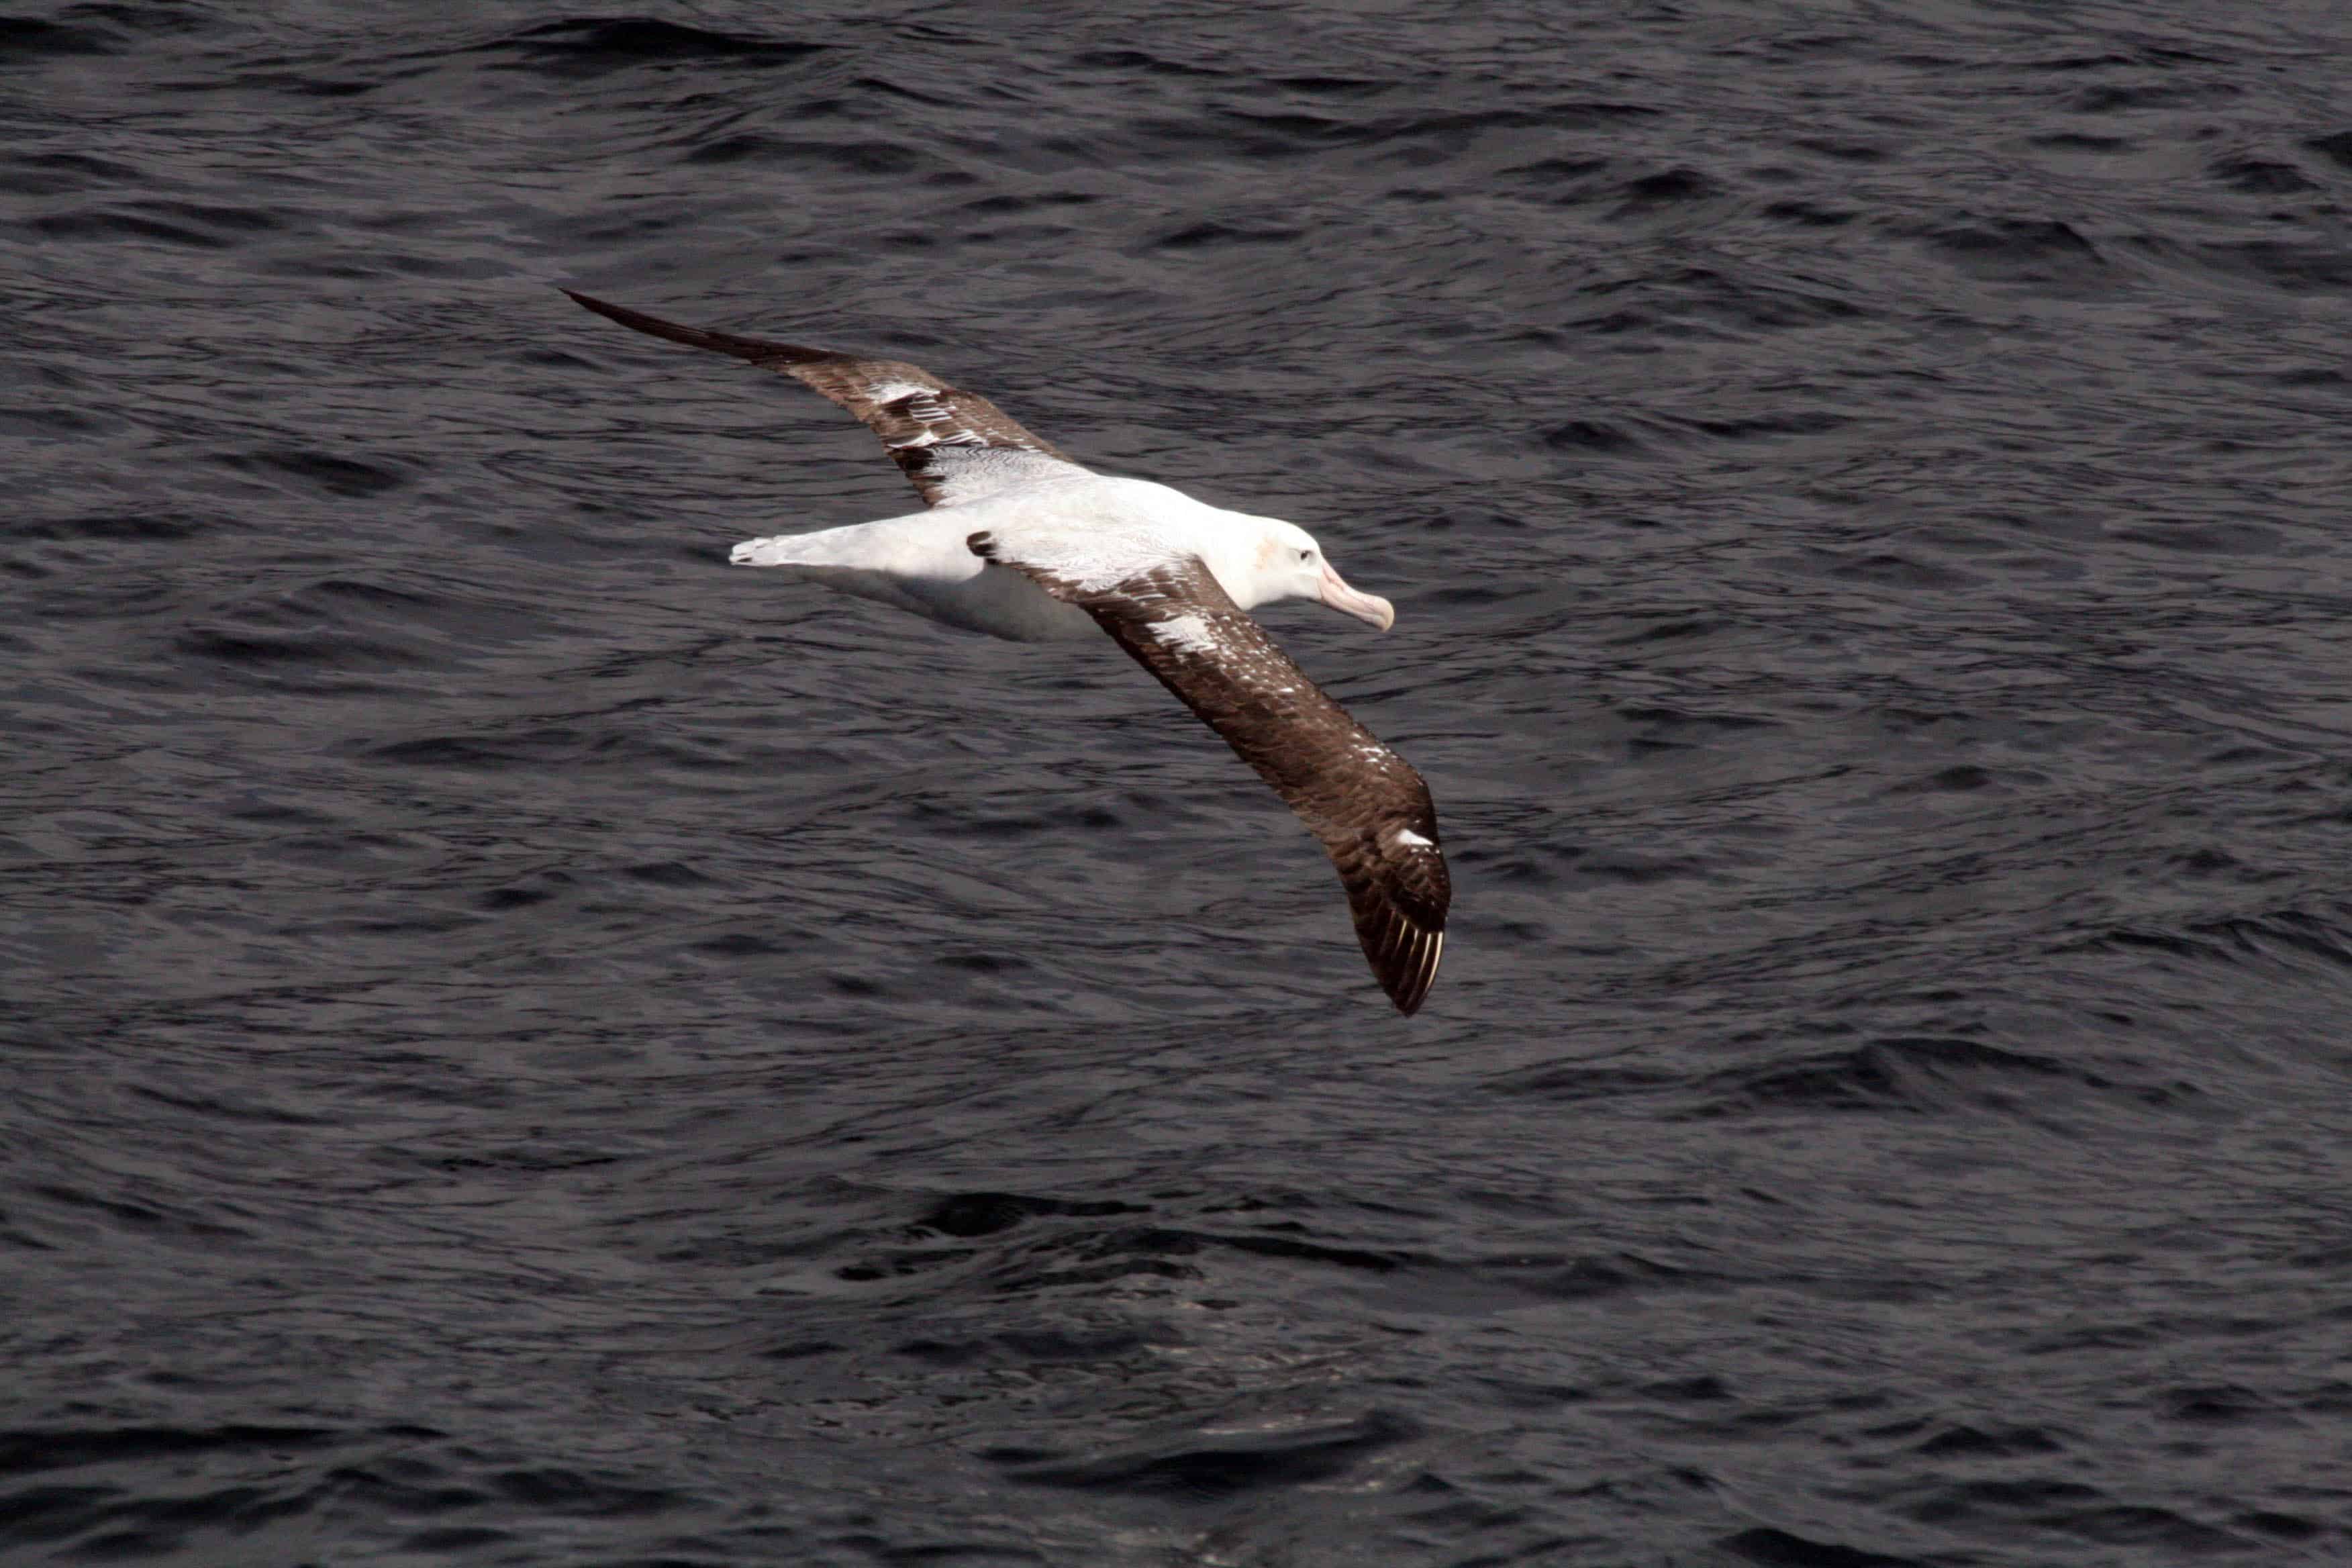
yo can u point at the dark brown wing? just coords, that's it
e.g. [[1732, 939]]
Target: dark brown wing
[[955, 446], [1371, 811]]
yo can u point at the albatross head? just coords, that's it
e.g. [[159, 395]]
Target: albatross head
[[1288, 565]]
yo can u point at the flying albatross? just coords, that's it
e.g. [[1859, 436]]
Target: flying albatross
[[1020, 541]]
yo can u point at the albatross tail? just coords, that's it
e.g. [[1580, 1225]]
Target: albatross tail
[[915, 546], [778, 550]]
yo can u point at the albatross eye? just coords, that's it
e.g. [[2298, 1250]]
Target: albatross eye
[[1307, 555]]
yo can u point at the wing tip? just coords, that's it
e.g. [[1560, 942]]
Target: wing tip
[[762, 352], [652, 325], [1404, 958]]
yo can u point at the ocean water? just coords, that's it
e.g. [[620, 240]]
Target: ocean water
[[522, 1045]]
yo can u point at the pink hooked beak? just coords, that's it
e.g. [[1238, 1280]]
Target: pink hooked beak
[[1363, 606]]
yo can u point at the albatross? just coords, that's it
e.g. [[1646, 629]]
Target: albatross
[[1020, 541]]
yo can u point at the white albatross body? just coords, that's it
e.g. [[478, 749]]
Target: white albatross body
[[1020, 541], [924, 562]]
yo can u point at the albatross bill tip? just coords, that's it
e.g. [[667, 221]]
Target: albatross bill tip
[[1350, 602]]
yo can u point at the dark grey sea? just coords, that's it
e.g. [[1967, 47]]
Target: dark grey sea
[[523, 1045]]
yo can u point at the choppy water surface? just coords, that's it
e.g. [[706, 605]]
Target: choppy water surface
[[525, 1046]]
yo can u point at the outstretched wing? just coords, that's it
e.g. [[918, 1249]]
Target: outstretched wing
[[1371, 810], [954, 445]]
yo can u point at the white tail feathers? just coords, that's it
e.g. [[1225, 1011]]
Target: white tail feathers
[[779, 550], [914, 546]]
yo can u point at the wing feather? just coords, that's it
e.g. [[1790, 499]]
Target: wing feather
[[955, 447], [1371, 811]]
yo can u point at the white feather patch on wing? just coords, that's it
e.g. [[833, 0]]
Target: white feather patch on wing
[[1191, 633]]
